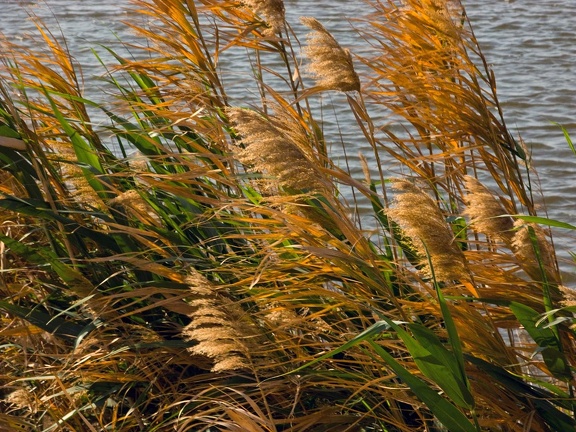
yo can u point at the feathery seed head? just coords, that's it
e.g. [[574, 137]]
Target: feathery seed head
[[217, 336], [569, 296], [485, 212], [132, 202], [423, 222], [270, 150], [218, 327], [272, 11], [138, 162], [198, 284], [130, 197], [23, 399], [533, 249], [331, 64]]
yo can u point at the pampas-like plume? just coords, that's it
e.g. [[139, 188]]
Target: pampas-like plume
[[423, 222], [268, 149], [486, 212], [132, 202], [527, 241], [533, 251], [330, 63], [218, 327], [272, 11], [569, 297]]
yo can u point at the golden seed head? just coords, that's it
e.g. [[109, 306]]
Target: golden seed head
[[485, 212], [23, 399], [270, 150], [272, 11], [423, 222], [569, 296], [138, 162], [133, 203], [218, 327], [198, 284], [217, 336], [331, 64], [533, 250], [128, 198]]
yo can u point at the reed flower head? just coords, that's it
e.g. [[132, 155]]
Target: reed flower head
[[569, 296], [23, 399], [330, 63], [423, 222], [534, 252], [486, 212], [218, 327], [272, 11], [269, 149], [133, 204]]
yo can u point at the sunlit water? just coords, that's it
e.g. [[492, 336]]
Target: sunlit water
[[530, 44]]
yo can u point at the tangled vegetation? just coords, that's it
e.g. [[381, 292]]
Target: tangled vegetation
[[227, 265]]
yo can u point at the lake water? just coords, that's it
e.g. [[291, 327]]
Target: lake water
[[531, 45]]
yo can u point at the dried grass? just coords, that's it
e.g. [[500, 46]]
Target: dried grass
[[187, 285]]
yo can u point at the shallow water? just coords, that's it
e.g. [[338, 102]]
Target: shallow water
[[529, 43]]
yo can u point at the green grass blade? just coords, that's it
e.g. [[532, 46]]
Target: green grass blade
[[546, 339], [450, 416], [367, 334], [566, 136], [87, 155], [54, 325], [143, 81], [453, 336], [438, 364], [544, 221]]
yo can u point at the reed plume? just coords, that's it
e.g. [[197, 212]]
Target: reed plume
[[272, 11], [219, 327], [424, 223], [569, 298], [132, 203], [330, 64], [270, 150], [487, 214], [527, 241], [534, 252]]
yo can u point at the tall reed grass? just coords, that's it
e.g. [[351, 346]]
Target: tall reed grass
[[209, 272]]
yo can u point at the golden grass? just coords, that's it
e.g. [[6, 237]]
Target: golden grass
[[211, 281]]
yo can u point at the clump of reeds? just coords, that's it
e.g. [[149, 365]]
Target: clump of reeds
[[181, 292]]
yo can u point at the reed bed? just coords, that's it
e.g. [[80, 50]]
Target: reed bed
[[209, 271]]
